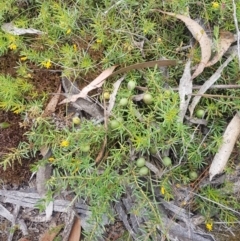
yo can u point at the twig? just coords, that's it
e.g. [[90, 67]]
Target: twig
[[237, 28], [197, 87], [114, 5], [220, 96], [219, 204]]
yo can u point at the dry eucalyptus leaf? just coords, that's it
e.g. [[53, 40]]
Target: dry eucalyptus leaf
[[51, 106], [185, 89], [10, 28], [112, 99], [148, 64], [76, 230], [96, 83], [225, 40], [209, 83], [200, 35], [229, 139]]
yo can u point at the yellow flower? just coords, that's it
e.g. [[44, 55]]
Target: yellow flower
[[99, 41], [51, 159], [209, 226], [23, 58], [215, 5], [159, 40], [12, 46], [64, 143], [47, 64], [162, 190], [75, 47], [69, 31]]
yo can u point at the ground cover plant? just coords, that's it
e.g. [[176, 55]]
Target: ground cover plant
[[125, 145]]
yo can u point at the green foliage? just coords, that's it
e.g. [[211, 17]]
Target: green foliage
[[76, 34], [13, 93]]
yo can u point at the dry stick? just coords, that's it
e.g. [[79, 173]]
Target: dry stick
[[237, 28], [100, 154], [197, 87], [220, 96]]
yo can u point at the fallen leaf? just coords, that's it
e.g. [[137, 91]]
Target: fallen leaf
[[23, 239], [200, 35], [229, 139], [76, 230], [51, 106], [148, 64], [209, 83], [51, 233], [225, 40], [10, 28], [107, 73], [112, 99], [96, 83], [185, 89]]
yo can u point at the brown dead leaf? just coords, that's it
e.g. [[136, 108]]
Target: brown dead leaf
[[160, 63], [51, 233], [96, 83], [76, 230], [51, 106], [23, 239], [200, 35], [225, 40]]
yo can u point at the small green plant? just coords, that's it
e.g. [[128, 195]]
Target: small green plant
[[13, 93]]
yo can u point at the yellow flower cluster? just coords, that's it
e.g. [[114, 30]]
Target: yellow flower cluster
[[47, 64], [162, 190], [209, 226], [64, 143], [23, 58], [12, 46], [51, 159], [215, 5]]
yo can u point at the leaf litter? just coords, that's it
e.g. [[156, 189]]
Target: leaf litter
[[11, 29], [209, 83], [224, 42], [200, 35], [229, 139]]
